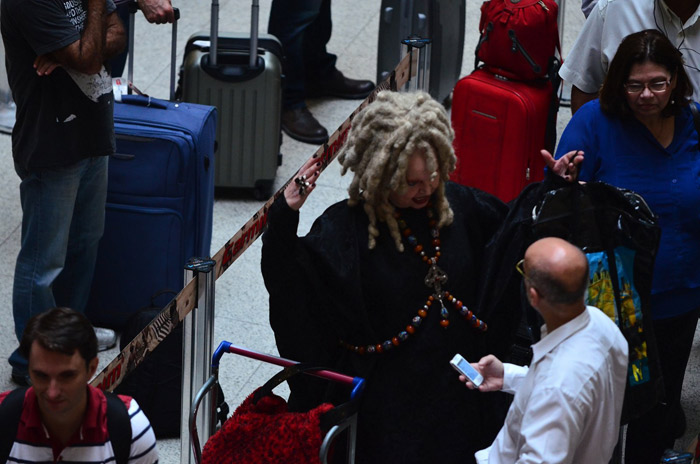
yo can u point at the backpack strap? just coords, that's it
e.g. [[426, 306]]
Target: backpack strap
[[10, 414], [118, 427], [696, 119]]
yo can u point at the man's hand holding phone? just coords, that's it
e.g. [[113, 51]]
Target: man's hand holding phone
[[490, 369]]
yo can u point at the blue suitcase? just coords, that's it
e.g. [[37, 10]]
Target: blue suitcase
[[159, 205], [160, 200]]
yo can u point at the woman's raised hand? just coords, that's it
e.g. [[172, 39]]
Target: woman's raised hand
[[303, 184], [566, 167]]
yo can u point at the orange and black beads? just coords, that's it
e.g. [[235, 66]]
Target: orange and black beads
[[415, 323], [411, 328]]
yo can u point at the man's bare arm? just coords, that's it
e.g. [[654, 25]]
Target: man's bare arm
[[115, 37], [87, 53], [579, 98]]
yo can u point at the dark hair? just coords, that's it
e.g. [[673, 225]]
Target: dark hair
[[552, 289], [640, 47], [62, 330]]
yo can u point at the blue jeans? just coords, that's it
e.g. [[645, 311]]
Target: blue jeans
[[304, 28], [63, 212]]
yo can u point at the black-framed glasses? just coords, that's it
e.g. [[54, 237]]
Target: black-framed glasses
[[519, 267], [656, 87]]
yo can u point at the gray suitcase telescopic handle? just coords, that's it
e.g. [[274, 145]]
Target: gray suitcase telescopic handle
[[173, 48], [214, 33]]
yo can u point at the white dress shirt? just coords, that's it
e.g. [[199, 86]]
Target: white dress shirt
[[587, 6], [587, 62], [567, 405]]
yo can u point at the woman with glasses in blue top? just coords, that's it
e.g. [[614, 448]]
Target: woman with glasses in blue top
[[640, 135]]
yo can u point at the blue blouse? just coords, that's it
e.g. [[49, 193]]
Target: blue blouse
[[624, 153]]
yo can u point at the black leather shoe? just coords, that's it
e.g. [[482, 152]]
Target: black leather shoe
[[339, 86], [21, 377], [301, 125]]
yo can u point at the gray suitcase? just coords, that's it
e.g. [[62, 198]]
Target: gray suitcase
[[240, 74], [442, 21]]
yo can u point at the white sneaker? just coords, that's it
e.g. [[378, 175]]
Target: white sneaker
[[106, 338]]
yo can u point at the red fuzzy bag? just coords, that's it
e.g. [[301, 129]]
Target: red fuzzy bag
[[265, 432], [262, 430]]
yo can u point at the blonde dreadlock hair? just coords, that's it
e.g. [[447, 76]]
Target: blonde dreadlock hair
[[384, 136]]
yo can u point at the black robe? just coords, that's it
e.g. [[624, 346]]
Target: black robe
[[328, 286]]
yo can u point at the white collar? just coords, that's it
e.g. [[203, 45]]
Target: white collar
[[674, 17], [550, 341]]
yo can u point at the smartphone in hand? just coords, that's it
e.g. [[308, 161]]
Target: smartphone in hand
[[462, 366]]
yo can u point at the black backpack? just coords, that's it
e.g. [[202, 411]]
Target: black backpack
[[118, 424], [156, 383], [619, 235]]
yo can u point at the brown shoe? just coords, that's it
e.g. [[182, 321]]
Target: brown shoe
[[301, 125], [339, 86]]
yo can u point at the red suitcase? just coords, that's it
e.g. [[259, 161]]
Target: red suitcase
[[500, 127]]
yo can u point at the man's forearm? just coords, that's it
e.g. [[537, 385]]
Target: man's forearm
[[86, 54], [579, 98], [92, 42], [115, 37]]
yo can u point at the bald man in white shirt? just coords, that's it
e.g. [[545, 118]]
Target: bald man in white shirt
[[568, 403]]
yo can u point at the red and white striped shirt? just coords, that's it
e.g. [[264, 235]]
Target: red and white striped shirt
[[90, 444]]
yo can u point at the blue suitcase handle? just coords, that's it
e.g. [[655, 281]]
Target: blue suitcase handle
[[143, 100]]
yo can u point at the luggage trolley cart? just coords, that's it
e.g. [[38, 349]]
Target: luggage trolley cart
[[349, 422]]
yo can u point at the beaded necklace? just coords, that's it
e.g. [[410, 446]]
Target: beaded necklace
[[434, 279]]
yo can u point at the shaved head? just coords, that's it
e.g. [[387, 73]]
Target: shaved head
[[558, 270]]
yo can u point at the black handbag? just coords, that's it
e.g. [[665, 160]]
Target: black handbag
[[619, 234]]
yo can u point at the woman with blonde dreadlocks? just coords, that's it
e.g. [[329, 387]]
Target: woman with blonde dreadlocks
[[384, 286]]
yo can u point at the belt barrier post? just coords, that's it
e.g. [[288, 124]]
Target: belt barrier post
[[198, 333], [7, 105], [561, 19], [133, 7], [422, 64]]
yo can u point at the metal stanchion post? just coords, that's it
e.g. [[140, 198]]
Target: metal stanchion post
[[422, 79], [565, 99], [7, 105], [561, 16], [133, 8], [198, 333]]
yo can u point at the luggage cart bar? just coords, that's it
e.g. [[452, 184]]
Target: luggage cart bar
[[356, 382]]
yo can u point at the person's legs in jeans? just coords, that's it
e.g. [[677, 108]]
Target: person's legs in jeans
[[289, 21], [319, 65], [304, 28], [48, 198], [322, 78], [72, 286]]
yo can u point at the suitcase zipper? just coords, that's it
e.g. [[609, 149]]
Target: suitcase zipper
[[518, 47], [543, 5]]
